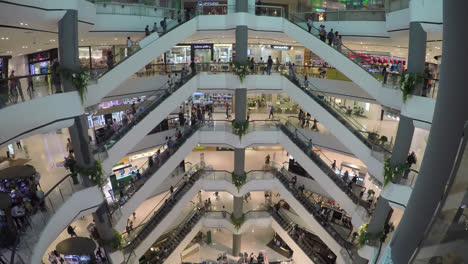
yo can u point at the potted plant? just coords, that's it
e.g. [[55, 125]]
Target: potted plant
[[411, 159], [383, 140], [71, 165]]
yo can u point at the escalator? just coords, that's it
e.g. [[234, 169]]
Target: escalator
[[162, 216], [319, 165], [366, 145], [343, 59], [152, 111], [148, 49]]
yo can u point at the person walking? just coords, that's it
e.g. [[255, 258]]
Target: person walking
[[147, 31], [336, 39], [322, 33], [339, 43], [310, 146], [30, 88], [155, 27], [193, 67], [110, 60], [164, 25], [330, 37], [71, 231], [271, 113], [129, 46], [269, 65], [309, 23]]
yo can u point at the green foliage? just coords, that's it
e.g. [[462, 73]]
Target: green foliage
[[366, 238], [239, 180], [409, 81], [370, 192], [79, 78], [95, 172], [238, 222], [116, 241], [383, 140], [241, 69], [392, 171], [240, 128]]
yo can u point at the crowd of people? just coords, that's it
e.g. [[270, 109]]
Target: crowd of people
[[26, 195]]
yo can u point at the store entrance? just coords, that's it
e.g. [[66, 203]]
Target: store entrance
[[202, 55]]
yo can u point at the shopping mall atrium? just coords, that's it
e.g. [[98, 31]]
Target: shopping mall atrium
[[233, 131]]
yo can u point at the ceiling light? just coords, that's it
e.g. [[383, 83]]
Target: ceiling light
[[25, 24], [53, 40], [8, 52], [3, 38], [6, 38], [21, 23], [81, 40], [115, 38], [39, 49], [25, 47]]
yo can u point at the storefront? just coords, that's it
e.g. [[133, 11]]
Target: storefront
[[202, 53], [179, 54], [95, 57], [217, 100], [40, 62], [284, 53]]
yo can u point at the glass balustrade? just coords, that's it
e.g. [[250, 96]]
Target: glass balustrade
[[371, 139], [39, 216], [26, 88], [145, 107]]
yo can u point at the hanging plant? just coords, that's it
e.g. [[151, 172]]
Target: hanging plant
[[241, 69], [95, 173], [238, 222], [240, 128], [116, 241], [392, 171], [366, 238], [79, 78], [408, 83], [239, 180], [71, 165]]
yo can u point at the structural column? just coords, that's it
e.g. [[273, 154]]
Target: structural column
[[380, 216], [417, 51], [68, 45], [403, 140], [103, 222], [445, 136]]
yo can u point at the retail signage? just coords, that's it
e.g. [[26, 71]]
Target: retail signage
[[203, 46], [201, 3], [280, 47]]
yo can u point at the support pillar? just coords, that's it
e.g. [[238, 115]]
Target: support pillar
[[68, 45], [237, 213], [403, 140], [444, 139], [80, 142], [417, 51], [103, 223], [380, 216]]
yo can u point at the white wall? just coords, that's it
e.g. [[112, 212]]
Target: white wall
[[426, 10], [21, 118], [398, 19], [19, 64], [356, 28]]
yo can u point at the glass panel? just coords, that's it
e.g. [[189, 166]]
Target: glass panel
[[24, 88]]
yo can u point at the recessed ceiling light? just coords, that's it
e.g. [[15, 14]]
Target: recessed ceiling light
[[25, 47], [21, 23], [53, 40], [115, 38], [25, 24], [3, 38], [6, 38], [39, 49], [81, 40]]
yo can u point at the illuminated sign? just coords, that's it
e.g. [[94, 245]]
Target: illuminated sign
[[202, 46], [201, 3], [280, 47]]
